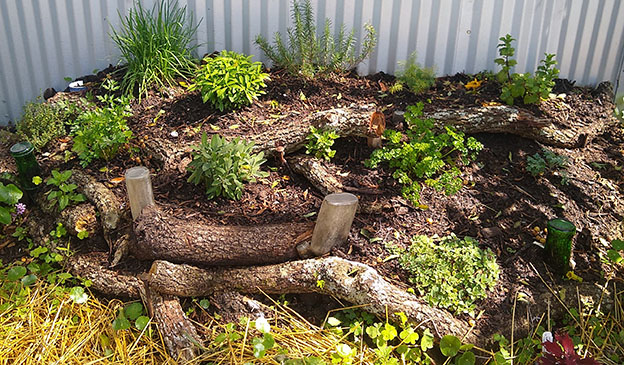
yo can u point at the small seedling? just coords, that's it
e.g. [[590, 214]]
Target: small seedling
[[65, 193]]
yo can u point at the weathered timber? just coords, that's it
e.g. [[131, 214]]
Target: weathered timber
[[75, 218], [94, 266], [233, 306], [317, 173], [179, 334], [105, 201], [164, 237], [347, 280]]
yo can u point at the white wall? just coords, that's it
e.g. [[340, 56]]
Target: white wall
[[43, 41]]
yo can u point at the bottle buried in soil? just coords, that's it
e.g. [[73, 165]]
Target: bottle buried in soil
[[334, 222], [558, 245], [27, 166], [139, 188]]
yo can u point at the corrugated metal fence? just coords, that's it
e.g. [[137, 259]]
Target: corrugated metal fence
[[44, 41]]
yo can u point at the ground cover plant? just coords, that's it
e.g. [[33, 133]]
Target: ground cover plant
[[40, 124], [307, 53], [404, 190], [416, 77], [156, 46]]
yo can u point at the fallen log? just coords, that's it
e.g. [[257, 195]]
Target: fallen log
[[179, 334], [105, 201], [159, 236], [94, 266], [347, 280]]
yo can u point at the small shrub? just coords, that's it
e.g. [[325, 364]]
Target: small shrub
[[64, 194], [155, 45], [453, 273], [538, 165], [40, 124], [223, 167], [423, 153], [524, 87], [308, 54], [230, 80], [320, 143], [99, 133], [418, 79]]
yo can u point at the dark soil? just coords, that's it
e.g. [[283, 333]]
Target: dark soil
[[500, 204]]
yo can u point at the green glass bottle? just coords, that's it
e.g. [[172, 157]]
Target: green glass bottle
[[558, 245], [27, 166]]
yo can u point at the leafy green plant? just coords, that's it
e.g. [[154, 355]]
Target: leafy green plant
[[452, 273], [614, 252], [320, 142], [418, 79], [101, 132], [230, 80], [423, 153], [132, 312], [524, 87], [224, 166], [307, 53], [65, 193], [538, 165], [40, 124], [9, 198], [156, 45]]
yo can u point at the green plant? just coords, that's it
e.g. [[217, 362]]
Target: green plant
[[423, 153], [320, 143], [525, 87], [155, 45], [418, 79], [40, 124], [307, 53], [132, 312], [452, 273], [64, 194], [9, 198], [99, 133], [224, 166], [230, 80], [538, 165], [614, 252]]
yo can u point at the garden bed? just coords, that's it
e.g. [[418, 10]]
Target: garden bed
[[500, 203]]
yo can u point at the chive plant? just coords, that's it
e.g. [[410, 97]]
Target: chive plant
[[156, 45]]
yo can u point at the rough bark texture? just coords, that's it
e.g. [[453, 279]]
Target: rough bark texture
[[75, 218], [159, 236], [94, 266], [317, 173], [105, 201], [178, 332], [350, 281], [233, 306]]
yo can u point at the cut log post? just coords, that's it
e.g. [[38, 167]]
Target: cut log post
[[179, 334], [159, 236], [350, 281], [139, 187]]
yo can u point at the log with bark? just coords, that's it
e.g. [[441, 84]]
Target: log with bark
[[161, 236], [105, 201], [347, 280]]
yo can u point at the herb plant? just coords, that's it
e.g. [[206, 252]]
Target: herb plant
[[65, 193], [156, 45], [418, 79], [452, 273], [320, 143], [40, 124], [538, 164], [230, 80], [99, 133], [423, 153], [307, 53], [9, 198], [223, 167], [524, 87]]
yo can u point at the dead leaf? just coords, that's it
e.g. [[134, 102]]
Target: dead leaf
[[383, 86], [377, 123], [117, 180]]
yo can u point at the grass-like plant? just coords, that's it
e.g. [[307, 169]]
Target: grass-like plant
[[417, 78], [156, 45], [453, 273], [230, 80], [223, 167], [308, 54]]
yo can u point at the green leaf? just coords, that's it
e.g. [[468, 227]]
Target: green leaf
[[614, 256], [133, 310], [426, 342], [467, 358], [141, 322], [78, 295], [5, 215], [449, 345], [16, 273], [333, 321], [121, 323], [204, 303], [29, 279], [617, 245]]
